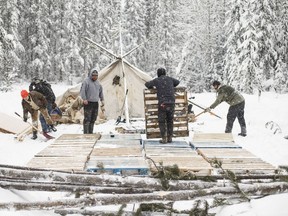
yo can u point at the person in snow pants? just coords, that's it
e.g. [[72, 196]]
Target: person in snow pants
[[237, 105], [91, 92], [166, 103]]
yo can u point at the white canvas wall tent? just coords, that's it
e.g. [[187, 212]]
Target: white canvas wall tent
[[116, 78]]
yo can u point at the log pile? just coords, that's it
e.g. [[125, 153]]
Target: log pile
[[87, 190]]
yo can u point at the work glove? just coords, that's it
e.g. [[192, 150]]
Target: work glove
[[208, 109]]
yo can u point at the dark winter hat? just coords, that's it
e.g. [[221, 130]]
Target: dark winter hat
[[161, 71], [216, 83], [24, 94]]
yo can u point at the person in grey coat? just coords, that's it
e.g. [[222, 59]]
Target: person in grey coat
[[91, 92], [237, 105]]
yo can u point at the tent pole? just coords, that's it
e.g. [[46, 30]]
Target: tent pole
[[126, 98]]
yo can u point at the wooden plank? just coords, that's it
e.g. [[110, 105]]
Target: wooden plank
[[152, 135], [64, 152], [158, 151], [212, 137], [121, 136], [196, 165], [118, 165], [58, 163], [200, 145], [225, 153], [11, 124], [116, 152], [174, 144]]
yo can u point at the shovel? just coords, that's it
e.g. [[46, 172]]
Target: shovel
[[44, 134], [122, 109]]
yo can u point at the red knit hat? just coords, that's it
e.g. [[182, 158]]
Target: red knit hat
[[24, 94]]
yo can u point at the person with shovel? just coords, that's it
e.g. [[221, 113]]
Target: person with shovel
[[166, 103], [237, 105], [91, 92], [31, 103]]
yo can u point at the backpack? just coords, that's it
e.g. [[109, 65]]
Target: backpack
[[44, 88]]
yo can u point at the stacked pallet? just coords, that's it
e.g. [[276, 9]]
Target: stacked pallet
[[221, 147], [177, 153], [68, 152], [180, 116], [118, 154]]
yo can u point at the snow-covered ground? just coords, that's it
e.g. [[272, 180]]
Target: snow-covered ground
[[261, 141]]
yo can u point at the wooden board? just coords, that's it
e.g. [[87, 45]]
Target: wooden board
[[195, 164], [225, 153], [200, 145], [118, 165], [180, 115], [212, 137], [118, 151], [58, 163], [121, 136], [10, 124], [169, 151], [174, 144]]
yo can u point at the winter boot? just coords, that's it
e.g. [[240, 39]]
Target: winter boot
[[169, 139], [91, 128], [243, 132], [34, 135], [163, 140], [53, 128], [86, 128]]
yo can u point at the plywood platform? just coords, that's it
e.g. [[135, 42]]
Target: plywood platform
[[68, 152]]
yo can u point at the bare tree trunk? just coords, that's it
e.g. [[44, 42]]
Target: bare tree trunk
[[259, 189]]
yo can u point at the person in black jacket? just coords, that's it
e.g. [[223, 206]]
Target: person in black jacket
[[45, 89], [166, 103]]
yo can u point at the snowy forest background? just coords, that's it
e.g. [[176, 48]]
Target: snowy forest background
[[242, 42]]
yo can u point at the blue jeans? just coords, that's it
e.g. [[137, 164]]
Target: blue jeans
[[45, 127]]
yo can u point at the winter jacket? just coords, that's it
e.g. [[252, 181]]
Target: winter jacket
[[44, 88], [91, 90], [165, 88], [228, 94], [38, 99]]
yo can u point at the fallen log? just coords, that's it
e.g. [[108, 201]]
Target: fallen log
[[44, 186], [259, 189]]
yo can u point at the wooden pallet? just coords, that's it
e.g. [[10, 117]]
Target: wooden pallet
[[238, 160], [68, 152], [180, 116]]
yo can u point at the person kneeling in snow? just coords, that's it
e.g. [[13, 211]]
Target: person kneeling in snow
[[32, 102]]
